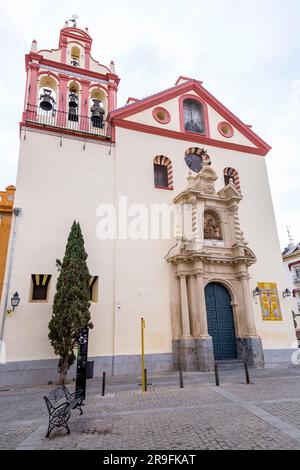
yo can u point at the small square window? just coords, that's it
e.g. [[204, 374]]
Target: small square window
[[40, 284], [94, 289]]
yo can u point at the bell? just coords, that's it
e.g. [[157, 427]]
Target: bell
[[46, 100], [73, 100], [73, 114], [97, 114]]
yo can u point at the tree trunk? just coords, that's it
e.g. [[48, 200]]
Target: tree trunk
[[63, 370]]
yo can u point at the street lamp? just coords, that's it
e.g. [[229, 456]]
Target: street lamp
[[256, 292], [15, 300], [286, 293]]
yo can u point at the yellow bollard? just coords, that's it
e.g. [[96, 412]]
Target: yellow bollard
[[143, 354]]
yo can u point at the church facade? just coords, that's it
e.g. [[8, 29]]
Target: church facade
[[208, 284]]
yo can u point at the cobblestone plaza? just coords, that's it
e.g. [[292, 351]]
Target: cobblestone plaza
[[263, 415]]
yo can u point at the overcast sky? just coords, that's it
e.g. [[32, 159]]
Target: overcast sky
[[246, 52]]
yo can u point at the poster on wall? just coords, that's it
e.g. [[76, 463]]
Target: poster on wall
[[269, 301]]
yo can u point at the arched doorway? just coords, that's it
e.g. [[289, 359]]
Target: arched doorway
[[220, 321]]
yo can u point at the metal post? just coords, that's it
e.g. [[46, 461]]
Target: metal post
[[103, 383], [180, 377], [145, 375], [247, 374], [217, 375], [143, 354]]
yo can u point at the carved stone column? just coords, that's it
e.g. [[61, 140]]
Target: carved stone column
[[249, 346], [186, 347], [186, 328], [248, 313], [205, 351]]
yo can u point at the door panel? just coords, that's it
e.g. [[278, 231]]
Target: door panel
[[220, 321]]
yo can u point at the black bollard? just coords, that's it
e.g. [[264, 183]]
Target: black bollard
[[180, 377], [217, 375], [145, 375], [103, 383], [247, 374]]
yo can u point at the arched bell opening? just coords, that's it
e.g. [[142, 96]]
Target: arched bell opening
[[75, 56], [98, 107], [73, 101], [47, 97]]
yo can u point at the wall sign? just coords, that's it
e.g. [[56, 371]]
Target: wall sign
[[269, 301]]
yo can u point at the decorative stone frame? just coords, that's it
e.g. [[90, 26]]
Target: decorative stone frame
[[194, 264]]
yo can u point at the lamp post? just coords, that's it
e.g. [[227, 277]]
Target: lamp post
[[286, 293], [256, 292], [15, 300]]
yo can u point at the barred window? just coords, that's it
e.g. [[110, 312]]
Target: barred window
[[193, 116], [163, 172], [40, 284]]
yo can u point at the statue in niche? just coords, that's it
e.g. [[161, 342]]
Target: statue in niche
[[212, 227]]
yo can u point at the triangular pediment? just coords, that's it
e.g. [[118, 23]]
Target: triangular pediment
[[162, 114], [229, 192]]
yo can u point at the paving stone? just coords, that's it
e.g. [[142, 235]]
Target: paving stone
[[264, 415]]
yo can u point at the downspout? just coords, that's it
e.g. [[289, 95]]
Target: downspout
[[114, 265], [17, 211]]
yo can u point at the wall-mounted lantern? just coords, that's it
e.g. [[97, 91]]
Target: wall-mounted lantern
[[15, 300], [256, 292], [286, 293]]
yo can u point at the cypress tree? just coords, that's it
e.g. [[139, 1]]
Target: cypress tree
[[71, 302]]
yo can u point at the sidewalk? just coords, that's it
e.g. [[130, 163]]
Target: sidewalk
[[263, 415]]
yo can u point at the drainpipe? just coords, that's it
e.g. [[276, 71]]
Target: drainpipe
[[17, 212]]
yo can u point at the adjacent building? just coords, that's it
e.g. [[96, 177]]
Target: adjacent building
[[291, 259], [6, 211]]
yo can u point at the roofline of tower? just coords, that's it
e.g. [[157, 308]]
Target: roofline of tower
[[39, 61]]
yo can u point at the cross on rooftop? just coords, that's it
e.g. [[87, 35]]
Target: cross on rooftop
[[74, 20]]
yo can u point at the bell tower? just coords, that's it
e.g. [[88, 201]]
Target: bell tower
[[67, 90]]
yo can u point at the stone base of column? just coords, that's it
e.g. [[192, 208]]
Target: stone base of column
[[185, 354], [205, 354], [250, 351]]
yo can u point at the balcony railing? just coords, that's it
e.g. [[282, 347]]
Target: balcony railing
[[63, 120]]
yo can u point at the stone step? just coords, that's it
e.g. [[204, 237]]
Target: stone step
[[233, 364]]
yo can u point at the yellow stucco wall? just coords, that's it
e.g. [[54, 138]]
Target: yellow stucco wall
[[6, 207]]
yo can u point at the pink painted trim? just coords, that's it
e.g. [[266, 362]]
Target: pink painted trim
[[112, 97], [157, 110], [163, 187], [85, 103], [181, 77], [161, 97], [68, 32], [63, 98], [231, 130], [63, 131], [80, 70], [205, 115], [131, 100], [187, 136], [50, 74], [97, 85], [32, 95]]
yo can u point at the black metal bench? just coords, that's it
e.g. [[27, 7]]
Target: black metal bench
[[60, 402]]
